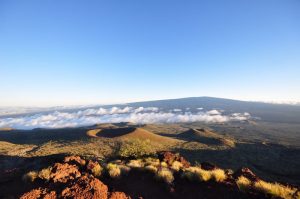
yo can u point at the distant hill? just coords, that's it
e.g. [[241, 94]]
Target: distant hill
[[281, 113], [130, 133], [265, 111]]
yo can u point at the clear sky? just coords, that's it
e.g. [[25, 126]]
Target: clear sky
[[70, 52]]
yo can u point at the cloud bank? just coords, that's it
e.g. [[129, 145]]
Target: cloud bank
[[140, 115]]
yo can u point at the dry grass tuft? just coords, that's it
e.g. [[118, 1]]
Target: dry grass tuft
[[176, 165], [165, 174], [135, 163], [152, 161], [163, 164], [45, 173], [275, 189], [113, 170], [151, 168], [219, 175], [243, 183], [97, 170], [198, 174], [30, 176]]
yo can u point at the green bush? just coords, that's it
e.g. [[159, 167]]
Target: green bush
[[136, 148]]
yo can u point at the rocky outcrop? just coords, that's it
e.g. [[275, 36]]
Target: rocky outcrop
[[170, 157], [64, 172], [73, 179], [33, 194], [118, 195], [75, 160], [246, 172], [86, 187]]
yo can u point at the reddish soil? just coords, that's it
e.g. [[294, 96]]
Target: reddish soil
[[73, 179]]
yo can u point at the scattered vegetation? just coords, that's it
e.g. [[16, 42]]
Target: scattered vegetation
[[151, 168], [136, 148], [44, 174], [165, 171], [275, 189], [97, 170], [218, 175], [165, 174], [30, 176], [243, 183], [176, 165], [152, 161], [113, 170], [163, 164], [196, 173], [135, 163]]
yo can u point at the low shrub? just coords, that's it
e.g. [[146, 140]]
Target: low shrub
[[151, 168], [45, 173], [135, 163], [163, 164], [204, 175], [198, 174], [152, 161], [136, 148], [113, 170], [30, 176], [218, 175], [275, 189], [176, 165], [243, 183], [165, 174], [97, 170]]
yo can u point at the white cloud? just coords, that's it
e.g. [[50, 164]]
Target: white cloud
[[213, 112], [240, 116], [140, 115], [177, 110]]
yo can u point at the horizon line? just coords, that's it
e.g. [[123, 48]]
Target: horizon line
[[86, 105]]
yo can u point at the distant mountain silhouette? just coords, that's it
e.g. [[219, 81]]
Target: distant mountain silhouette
[[265, 111]]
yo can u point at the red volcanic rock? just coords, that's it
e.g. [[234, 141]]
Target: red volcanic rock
[[51, 195], [64, 172], [170, 157], [118, 195], [91, 165], [33, 194], [39, 193], [86, 188], [75, 160], [246, 172], [184, 162], [208, 166]]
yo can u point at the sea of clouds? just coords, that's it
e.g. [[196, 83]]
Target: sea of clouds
[[140, 115]]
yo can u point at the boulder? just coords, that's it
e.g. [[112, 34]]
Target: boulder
[[64, 172]]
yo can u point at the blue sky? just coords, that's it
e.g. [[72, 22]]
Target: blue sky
[[93, 52]]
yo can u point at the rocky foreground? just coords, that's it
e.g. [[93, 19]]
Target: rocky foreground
[[166, 176]]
